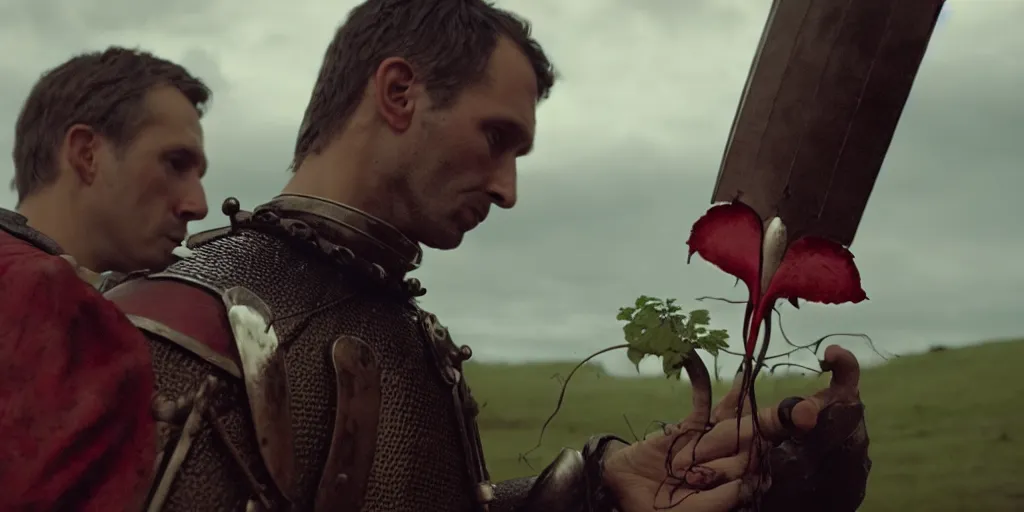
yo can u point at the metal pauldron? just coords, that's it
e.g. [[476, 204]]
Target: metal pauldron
[[180, 419]]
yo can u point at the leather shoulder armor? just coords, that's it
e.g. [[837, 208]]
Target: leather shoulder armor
[[180, 313]]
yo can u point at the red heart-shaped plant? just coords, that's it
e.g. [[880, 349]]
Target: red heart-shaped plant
[[733, 237]]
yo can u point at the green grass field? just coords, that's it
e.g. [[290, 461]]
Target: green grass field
[[947, 427]]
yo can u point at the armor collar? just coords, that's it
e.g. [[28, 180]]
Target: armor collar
[[369, 237], [17, 225]]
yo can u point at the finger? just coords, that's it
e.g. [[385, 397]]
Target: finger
[[844, 367], [674, 437], [700, 381], [717, 472], [730, 436], [842, 388], [805, 413], [727, 496]]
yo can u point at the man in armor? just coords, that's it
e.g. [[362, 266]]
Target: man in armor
[[109, 208], [294, 369], [107, 158]]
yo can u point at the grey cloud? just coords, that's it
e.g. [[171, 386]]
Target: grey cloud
[[203, 63], [704, 15], [66, 19], [605, 212], [939, 246]]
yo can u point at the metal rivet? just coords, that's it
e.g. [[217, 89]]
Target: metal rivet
[[230, 207]]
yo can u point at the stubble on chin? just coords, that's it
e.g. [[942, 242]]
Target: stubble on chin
[[441, 234]]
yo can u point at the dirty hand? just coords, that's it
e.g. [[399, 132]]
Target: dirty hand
[[694, 466], [827, 426]]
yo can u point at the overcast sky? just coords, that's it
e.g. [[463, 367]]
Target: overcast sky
[[627, 154]]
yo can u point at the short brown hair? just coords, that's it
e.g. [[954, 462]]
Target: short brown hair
[[101, 89], [449, 41]]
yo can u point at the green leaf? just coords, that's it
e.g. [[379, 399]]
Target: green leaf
[[662, 340], [678, 325], [720, 336], [700, 317], [647, 317], [685, 346], [632, 332], [643, 342], [635, 356], [671, 362], [714, 341], [656, 327]]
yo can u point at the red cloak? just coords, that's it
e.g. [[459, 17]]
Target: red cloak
[[76, 431]]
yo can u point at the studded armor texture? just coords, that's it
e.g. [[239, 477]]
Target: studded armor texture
[[426, 456], [419, 462]]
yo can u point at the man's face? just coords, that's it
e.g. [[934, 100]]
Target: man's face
[[147, 191], [463, 158]]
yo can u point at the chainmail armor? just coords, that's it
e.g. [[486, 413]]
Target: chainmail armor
[[420, 463], [417, 440]]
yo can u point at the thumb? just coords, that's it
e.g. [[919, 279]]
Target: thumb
[[845, 372], [843, 387]]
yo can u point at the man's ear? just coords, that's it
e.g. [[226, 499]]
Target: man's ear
[[397, 92], [80, 151]]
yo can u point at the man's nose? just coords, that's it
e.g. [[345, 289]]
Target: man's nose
[[502, 187], [193, 205]]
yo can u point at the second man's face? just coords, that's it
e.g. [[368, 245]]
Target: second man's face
[[153, 186]]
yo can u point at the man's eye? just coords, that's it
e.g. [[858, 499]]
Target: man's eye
[[494, 139], [177, 163]]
